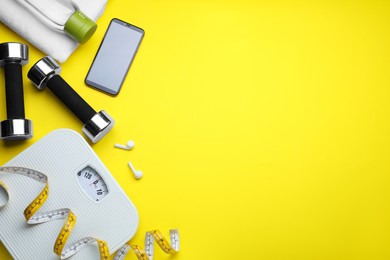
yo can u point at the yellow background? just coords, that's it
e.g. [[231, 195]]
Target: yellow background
[[262, 127]]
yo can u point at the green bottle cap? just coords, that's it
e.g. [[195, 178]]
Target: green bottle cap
[[80, 27]]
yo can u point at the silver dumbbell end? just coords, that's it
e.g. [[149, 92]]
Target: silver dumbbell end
[[99, 125], [16, 129], [13, 52], [42, 71]]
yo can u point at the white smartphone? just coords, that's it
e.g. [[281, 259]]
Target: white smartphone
[[114, 56]]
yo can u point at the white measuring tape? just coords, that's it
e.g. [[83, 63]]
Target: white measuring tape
[[32, 216]]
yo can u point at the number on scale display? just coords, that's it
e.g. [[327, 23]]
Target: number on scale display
[[92, 183]]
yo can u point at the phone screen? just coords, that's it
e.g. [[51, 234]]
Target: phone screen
[[114, 57]]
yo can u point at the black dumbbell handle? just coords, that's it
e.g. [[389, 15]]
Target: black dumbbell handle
[[14, 90], [70, 98]]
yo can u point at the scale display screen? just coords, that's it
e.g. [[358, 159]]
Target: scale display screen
[[92, 183]]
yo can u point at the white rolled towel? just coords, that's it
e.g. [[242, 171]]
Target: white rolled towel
[[57, 44]]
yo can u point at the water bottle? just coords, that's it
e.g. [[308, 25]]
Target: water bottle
[[63, 15]]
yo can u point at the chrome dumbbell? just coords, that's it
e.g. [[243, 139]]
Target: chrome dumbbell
[[45, 73], [13, 56]]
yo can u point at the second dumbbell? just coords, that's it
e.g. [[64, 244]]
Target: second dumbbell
[[13, 56], [45, 73]]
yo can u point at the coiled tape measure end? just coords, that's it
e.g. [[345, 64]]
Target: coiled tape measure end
[[33, 217]]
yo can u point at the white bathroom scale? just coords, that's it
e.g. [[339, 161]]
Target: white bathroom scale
[[77, 180]]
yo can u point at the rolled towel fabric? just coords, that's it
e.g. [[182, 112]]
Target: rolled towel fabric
[[28, 25]]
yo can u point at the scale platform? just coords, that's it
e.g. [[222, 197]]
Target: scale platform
[[77, 180]]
